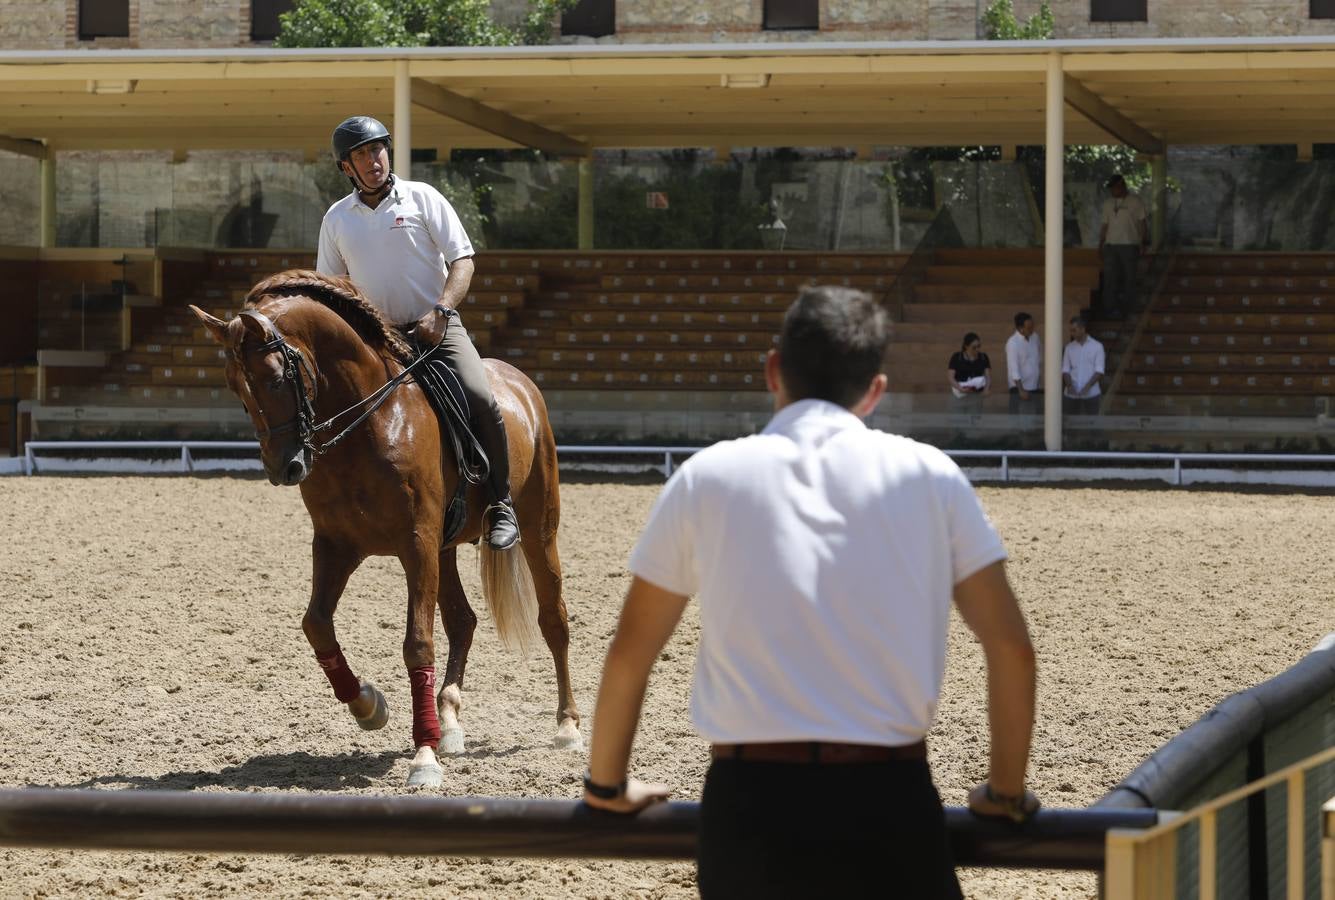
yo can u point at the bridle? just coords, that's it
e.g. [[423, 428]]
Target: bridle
[[296, 371]]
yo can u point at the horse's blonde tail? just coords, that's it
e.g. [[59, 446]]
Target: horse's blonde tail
[[507, 586]]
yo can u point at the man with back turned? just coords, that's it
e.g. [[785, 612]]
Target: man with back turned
[[825, 557]]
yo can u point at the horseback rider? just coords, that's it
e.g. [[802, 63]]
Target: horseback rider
[[404, 247]]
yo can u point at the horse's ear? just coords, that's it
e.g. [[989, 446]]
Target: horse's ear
[[217, 327], [256, 324]]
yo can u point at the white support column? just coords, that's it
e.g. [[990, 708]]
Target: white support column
[[47, 217], [403, 120], [1054, 332], [586, 202]]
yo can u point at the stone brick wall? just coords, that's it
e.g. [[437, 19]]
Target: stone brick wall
[[690, 21], [21, 199], [199, 23], [1190, 18], [682, 21], [155, 24], [32, 24], [53, 24]]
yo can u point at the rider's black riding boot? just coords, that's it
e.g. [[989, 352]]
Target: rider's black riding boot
[[499, 522]]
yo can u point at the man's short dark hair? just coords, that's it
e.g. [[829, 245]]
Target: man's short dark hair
[[1115, 180], [832, 345], [1079, 320], [1020, 319]]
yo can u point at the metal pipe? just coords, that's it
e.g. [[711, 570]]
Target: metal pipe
[[469, 827]]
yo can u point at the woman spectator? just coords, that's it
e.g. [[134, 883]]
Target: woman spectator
[[970, 369]]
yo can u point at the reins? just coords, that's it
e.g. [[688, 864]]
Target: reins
[[304, 420]]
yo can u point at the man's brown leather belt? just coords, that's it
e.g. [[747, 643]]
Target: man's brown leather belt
[[819, 752]]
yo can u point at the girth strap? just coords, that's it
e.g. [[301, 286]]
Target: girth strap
[[446, 396]]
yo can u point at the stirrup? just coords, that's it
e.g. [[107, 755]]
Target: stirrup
[[501, 524]]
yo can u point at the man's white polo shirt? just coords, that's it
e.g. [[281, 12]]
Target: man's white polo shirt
[[1024, 360], [397, 253], [824, 556], [1081, 361]]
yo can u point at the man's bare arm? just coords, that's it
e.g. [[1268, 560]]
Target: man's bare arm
[[647, 621], [989, 608], [457, 280]]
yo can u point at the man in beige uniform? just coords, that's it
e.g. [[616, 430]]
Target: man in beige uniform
[[1123, 233]]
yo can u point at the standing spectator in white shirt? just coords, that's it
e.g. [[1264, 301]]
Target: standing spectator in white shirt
[[1024, 366], [824, 556], [1082, 370], [1122, 235]]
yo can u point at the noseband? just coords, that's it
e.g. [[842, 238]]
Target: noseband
[[296, 370]]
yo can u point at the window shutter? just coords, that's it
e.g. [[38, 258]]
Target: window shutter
[[264, 24], [103, 18], [590, 18], [791, 14], [1119, 11]]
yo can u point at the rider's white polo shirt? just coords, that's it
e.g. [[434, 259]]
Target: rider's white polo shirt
[[397, 253], [824, 556]]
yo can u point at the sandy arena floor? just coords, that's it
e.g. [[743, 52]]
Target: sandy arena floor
[[150, 638]]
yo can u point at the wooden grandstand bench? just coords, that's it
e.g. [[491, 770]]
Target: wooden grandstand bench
[[1238, 325], [626, 379], [678, 319], [1253, 323], [1233, 383], [1243, 342], [745, 282], [1248, 263]]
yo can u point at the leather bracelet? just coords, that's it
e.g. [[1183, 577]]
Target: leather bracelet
[[603, 791], [1013, 805]]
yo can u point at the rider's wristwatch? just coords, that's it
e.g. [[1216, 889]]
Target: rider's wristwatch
[[603, 791], [443, 309]]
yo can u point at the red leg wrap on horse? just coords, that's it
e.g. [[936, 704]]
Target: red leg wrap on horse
[[426, 725], [346, 686]]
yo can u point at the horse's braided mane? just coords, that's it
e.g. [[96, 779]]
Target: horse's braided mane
[[341, 296]]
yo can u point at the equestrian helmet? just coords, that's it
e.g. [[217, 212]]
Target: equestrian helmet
[[356, 131]]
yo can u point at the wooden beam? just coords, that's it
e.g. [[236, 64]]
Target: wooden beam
[[470, 112], [24, 147], [1089, 104]]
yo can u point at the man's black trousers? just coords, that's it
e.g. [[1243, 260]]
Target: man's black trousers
[[778, 830]]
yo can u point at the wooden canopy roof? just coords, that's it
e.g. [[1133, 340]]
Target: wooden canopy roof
[[568, 100]]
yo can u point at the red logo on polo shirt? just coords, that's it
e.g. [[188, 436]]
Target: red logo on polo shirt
[[398, 220]]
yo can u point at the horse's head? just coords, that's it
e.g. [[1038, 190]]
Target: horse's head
[[272, 376]]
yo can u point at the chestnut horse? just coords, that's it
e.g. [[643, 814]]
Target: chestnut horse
[[308, 347]]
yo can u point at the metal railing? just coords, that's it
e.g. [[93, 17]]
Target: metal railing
[[142, 820], [671, 456]]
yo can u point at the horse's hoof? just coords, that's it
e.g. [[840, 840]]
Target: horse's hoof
[[452, 740], [567, 737], [428, 775], [379, 715], [425, 771]]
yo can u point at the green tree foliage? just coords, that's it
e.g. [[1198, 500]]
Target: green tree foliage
[[413, 23], [1000, 24], [1085, 162]]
